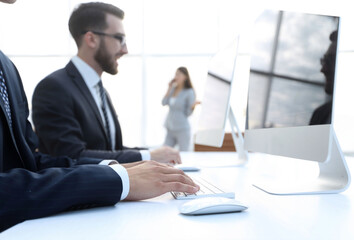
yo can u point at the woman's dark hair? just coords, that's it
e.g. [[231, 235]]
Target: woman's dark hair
[[188, 82], [91, 17]]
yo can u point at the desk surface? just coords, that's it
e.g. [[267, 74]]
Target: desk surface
[[327, 216]]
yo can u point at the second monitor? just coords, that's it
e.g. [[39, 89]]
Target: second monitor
[[216, 109], [291, 96]]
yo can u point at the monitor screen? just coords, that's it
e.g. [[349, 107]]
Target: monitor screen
[[216, 98], [292, 70], [291, 92], [215, 102]]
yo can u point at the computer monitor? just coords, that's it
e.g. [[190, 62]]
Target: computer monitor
[[216, 108], [291, 95]]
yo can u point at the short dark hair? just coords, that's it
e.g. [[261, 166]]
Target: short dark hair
[[91, 16]]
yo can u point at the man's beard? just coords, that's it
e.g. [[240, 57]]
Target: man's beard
[[104, 59]]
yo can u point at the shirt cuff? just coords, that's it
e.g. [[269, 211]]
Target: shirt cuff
[[108, 162], [123, 173], [145, 155]]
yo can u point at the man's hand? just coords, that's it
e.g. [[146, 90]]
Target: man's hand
[[133, 164], [166, 155], [151, 179]]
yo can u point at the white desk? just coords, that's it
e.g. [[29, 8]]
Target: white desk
[[268, 217]]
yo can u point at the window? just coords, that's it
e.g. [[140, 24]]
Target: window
[[161, 35]]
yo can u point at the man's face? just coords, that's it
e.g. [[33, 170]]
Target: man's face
[[8, 1], [328, 62], [111, 49]]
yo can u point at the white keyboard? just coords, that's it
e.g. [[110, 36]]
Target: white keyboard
[[206, 190]]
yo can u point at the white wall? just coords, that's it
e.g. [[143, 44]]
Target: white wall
[[162, 35]]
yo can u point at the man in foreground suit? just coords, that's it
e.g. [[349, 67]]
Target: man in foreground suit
[[72, 112], [34, 185]]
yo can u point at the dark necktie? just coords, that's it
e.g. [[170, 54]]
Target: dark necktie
[[5, 97], [104, 110]]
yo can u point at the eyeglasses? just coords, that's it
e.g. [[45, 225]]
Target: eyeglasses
[[117, 36]]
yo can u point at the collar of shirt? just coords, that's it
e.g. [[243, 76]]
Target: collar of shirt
[[89, 75], [92, 79]]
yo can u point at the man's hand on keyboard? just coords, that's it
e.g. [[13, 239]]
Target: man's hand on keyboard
[[151, 179], [166, 154]]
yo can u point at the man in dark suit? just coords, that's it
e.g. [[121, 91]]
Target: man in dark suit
[[34, 185], [72, 112]]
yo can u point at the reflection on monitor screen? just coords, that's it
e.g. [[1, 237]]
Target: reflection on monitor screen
[[291, 91], [216, 99], [215, 103], [292, 70]]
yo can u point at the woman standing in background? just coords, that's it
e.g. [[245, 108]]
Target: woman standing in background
[[180, 97]]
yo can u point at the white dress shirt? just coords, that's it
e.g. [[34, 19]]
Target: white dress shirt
[[92, 79], [122, 172]]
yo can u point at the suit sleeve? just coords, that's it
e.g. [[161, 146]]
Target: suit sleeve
[[27, 195], [166, 99], [44, 161], [122, 156], [59, 130]]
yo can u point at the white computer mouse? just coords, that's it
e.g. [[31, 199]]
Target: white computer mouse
[[208, 205], [187, 168]]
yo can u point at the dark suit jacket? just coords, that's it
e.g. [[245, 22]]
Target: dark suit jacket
[[34, 185], [322, 114], [67, 120]]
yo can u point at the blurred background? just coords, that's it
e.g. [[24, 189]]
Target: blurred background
[[163, 35]]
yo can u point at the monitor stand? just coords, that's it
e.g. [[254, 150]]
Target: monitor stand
[[237, 138], [334, 177]]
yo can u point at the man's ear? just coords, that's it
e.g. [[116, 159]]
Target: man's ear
[[91, 40]]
